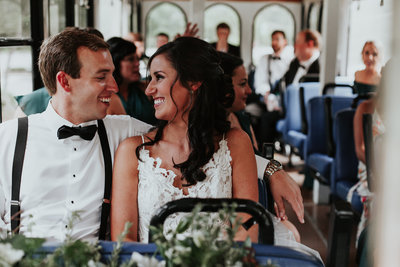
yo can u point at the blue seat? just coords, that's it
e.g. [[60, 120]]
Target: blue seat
[[345, 163], [281, 256], [297, 124], [320, 149]]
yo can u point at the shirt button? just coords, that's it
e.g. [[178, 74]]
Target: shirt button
[[72, 202], [66, 226], [74, 148], [73, 175]]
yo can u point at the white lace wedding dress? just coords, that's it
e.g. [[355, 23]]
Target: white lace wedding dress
[[156, 188]]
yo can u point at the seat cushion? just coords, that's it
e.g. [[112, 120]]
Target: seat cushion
[[296, 139], [342, 189], [321, 163]]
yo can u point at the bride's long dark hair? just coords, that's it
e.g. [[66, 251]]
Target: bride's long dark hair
[[197, 61]]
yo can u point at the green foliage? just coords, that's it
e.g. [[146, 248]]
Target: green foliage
[[200, 239], [204, 240]]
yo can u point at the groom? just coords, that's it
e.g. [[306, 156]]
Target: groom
[[69, 147]]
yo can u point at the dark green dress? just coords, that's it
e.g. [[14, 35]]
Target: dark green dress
[[364, 88]]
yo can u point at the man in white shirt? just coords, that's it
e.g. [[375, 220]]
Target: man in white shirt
[[64, 173], [306, 62], [273, 66]]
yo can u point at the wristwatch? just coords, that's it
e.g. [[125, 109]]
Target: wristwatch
[[272, 167]]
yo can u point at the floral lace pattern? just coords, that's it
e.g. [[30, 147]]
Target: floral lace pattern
[[156, 187]]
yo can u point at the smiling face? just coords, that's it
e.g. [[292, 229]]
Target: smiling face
[[90, 94], [129, 68], [241, 87], [163, 78], [370, 56]]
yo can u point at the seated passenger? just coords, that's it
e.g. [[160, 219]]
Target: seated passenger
[[137, 39], [223, 31], [367, 80], [233, 67], [127, 76], [193, 153], [63, 170], [371, 106]]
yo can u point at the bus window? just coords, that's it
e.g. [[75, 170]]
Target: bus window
[[314, 17], [57, 19], [212, 17], [270, 18], [15, 19], [165, 18], [365, 27], [15, 53]]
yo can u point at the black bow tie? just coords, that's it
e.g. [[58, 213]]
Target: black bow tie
[[276, 58], [86, 132]]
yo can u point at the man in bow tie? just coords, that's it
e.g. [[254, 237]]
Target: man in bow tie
[[65, 166], [272, 67], [307, 53]]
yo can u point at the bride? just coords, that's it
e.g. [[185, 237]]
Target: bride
[[193, 152]]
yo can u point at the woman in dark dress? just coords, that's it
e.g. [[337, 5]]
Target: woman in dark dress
[[127, 76]]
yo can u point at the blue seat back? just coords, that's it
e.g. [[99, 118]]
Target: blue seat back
[[316, 141], [345, 163], [292, 100], [262, 193], [280, 256]]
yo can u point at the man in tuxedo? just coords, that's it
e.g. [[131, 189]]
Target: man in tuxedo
[[223, 31], [307, 54], [272, 67], [306, 50], [63, 156]]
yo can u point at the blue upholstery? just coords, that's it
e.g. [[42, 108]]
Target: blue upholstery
[[342, 188], [281, 256], [345, 164], [291, 125], [316, 141], [292, 104], [320, 147], [262, 193], [321, 163]]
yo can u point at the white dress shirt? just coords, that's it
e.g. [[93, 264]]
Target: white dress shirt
[[303, 71], [278, 68], [59, 177]]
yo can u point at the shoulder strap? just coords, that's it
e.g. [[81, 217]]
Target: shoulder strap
[[105, 207], [19, 155], [269, 71]]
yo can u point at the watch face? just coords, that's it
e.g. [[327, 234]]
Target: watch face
[[276, 163]]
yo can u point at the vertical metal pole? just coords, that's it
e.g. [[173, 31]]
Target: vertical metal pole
[[37, 33]]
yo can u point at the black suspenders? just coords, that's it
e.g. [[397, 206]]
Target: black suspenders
[[105, 207], [18, 162], [19, 155]]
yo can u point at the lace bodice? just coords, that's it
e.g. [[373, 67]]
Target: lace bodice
[[156, 188]]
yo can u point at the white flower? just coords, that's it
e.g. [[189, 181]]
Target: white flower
[[9, 255], [182, 249], [92, 263], [198, 237], [145, 261]]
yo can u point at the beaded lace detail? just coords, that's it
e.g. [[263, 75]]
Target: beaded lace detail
[[156, 187]]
